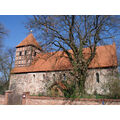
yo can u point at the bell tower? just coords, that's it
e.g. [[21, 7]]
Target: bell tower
[[26, 51]]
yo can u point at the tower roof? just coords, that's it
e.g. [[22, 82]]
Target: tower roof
[[29, 40]]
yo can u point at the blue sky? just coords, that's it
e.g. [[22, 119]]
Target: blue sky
[[15, 25], [17, 32]]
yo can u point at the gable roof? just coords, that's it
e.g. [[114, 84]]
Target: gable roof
[[105, 57], [29, 40]]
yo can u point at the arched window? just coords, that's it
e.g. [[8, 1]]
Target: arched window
[[64, 76], [97, 77], [34, 75], [54, 77], [43, 76]]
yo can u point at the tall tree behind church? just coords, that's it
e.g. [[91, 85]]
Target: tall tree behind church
[[3, 34], [75, 33]]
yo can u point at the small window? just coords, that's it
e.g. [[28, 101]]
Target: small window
[[34, 53], [20, 53], [97, 77], [25, 52], [64, 76], [34, 75], [43, 76], [54, 77]]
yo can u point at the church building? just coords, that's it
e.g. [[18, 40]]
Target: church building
[[34, 70]]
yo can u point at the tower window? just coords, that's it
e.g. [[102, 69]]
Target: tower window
[[34, 53], [97, 77], [25, 52], [20, 53]]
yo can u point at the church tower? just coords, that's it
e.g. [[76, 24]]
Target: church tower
[[26, 51]]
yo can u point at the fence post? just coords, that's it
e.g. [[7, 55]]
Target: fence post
[[7, 94], [25, 95]]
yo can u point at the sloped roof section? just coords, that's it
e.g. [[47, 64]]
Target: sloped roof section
[[105, 57], [29, 40]]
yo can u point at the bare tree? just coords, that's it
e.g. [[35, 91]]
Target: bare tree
[[6, 64], [3, 33], [75, 33]]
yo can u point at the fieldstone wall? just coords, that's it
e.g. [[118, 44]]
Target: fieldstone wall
[[37, 83], [105, 76]]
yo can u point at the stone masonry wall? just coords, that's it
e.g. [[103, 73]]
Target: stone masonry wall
[[105, 76], [38, 82], [35, 83]]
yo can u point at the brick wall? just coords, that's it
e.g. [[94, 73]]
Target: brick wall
[[36, 100], [2, 99], [5, 99]]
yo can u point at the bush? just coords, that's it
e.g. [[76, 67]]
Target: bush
[[2, 91], [114, 89], [4, 87]]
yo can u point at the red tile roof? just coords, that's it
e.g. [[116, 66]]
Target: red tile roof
[[29, 40], [105, 57]]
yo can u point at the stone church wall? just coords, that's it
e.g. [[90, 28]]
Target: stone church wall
[[38, 82], [105, 76]]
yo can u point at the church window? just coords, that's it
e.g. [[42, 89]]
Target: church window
[[34, 75], [54, 77], [20, 53], [97, 77], [64, 76], [43, 76]]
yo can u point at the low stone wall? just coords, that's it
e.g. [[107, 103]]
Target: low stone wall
[[36, 100]]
